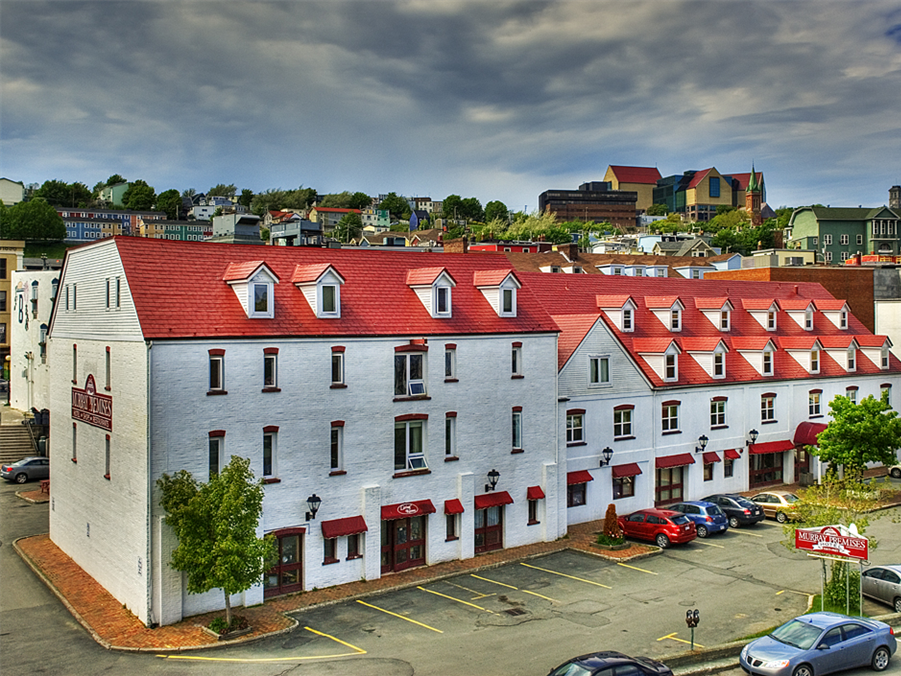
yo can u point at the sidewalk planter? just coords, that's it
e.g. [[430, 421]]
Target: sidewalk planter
[[611, 548], [229, 635]]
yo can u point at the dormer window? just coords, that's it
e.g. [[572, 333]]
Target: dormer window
[[253, 283], [675, 319], [843, 320], [808, 319], [499, 289], [852, 358], [719, 364], [627, 319], [433, 288], [885, 361], [724, 320], [442, 300], [814, 361], [320, 284], [771, 320], [262, 299], [508, 306], [329, 299], [671, 371], [767, 362]]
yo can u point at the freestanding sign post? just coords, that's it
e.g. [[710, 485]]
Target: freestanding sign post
[[836, 543]]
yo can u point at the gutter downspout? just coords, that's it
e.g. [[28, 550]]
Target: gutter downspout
[[152, 621]]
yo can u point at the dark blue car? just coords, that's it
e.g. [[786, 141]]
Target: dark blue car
[[707, 516]]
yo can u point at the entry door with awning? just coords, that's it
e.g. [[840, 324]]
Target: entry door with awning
[[489, 520]]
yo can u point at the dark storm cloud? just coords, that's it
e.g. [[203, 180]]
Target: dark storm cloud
[[497, 99]]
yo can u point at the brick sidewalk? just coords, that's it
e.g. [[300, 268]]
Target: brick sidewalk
[[116, 627]]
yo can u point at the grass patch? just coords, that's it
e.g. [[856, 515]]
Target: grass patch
[[759, 634], [852, 609], [52, 249]]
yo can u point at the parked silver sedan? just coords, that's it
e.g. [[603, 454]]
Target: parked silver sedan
[[883, 583], [26, 469]]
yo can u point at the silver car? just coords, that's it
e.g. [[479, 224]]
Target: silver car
[[26, 469], [883, 583]]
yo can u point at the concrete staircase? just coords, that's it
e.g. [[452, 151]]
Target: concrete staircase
[[15, 443]]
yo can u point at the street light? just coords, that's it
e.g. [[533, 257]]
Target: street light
[[313, 503], [493, 476], [753, 434], [607, 453], [702, 443]]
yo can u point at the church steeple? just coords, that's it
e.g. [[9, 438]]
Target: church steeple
[[752, 184], [753, 199]]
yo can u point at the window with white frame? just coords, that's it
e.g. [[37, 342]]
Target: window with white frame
[[214, 458], [262, 299], [884, 361], [845, 255], [718, 412], [814, 361], [852, 358], [574, 426], [622, 421], [813, 403], [843, 319], [669, 416], [767, 408], [450, 362], [409, 374], [409, 444], [719, 364], [508, 302], [337, 367], [767, 362], [808, 319], [671, 367], [330, 302], [844, 239], [336, 446], [828, 256], [443, 301], [516, 428], [450, 435], [661, 272], [675, 322], [886, 391], [598, 371], [724, 320], [270, 368], [851, 393], [270, 434], [771, 320], [217, 371], [627, 320], [516, 360], [827, 239]]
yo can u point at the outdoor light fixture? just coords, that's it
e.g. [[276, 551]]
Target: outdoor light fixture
[[493, 476], [313, 502], [702, 443], [753, 434], [607, 453]]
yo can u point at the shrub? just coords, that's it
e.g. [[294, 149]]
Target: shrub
[[611, 525]]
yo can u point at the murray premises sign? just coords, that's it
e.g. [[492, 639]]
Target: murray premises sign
[[832, 541], [92, 408]]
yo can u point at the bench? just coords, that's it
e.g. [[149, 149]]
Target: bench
[[45, 486]]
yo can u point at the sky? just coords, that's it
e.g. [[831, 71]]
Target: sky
[[499, 100]]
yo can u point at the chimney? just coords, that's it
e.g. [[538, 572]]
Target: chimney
[[459, 245]]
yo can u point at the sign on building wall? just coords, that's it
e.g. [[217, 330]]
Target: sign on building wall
[[92, 408], [833, 541]]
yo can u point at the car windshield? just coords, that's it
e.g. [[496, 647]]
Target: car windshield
[[790, 497], [571, 670], [798, 634], [713, 510], [744, 502], [679, 520]]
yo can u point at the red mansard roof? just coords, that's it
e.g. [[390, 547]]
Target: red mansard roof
[[574, 301], [636, 174], [375, 298]]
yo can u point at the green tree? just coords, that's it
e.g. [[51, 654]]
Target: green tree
[[170, 202], [724, 209], [114, 179], [216, 525], [452, 207], [339, 200], [246, 198], [496, 211], [472, 209], [268, 200], [783, 215], [868, 431], [62, 194], [350, 226], [139, 196], [222, 190], [657, 210], [190, 192], [396, 206], [359, 200], [32, 220]]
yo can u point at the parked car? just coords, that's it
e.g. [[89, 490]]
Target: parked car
[[883, 583], [895, 471], [707, 517], [739, 510], [820, 643], [661, 526], [609, 662], [779, 505], [26, 469]]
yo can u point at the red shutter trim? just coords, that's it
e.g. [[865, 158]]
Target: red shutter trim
[[672, 402], [411, 416], [517, 409], [270, 428], [411, 347], [517, 344], [575, 411], [624, 407], [270, 350], [720, 399], [217, 353], [451, 414], [337, 423], [815, 392], [450, 346], [217, 433], [338, 348]]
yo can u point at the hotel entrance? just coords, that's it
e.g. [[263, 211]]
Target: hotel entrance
[[404, 535], [287, 575]]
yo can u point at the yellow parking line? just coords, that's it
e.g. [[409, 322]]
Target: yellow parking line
[[709, 544], [744, 532], [571, 577], [510, 586], [626, 565], [672, 637], [357, 651], [466, 603], [369, 605], [478, 594]]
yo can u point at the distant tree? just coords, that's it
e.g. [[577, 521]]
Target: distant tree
[[339, 200], [496, 211], [246, 198], [360, 200], [724, 209], [190, 192], [657, 210], [350, 226], [95, 191], [268, 200], [216, 525], [861, 433], [218, 211], [783, 216], [396, 206], [222, 190], [302, 198], [114, 179], [452, 207], [62, 194], [472, 209], [170, 202], [32, 220], [139, 196]]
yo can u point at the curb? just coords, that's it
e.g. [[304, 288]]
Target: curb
[[21, 494]]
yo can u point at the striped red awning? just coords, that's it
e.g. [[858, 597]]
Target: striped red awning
[[732, 454], [807, 432], [404, 510], [339, 527], [493, 500], [629, 469], [582, 476], [771, 447], [535, 493], [679, 460], [453, 507], [711, 456]]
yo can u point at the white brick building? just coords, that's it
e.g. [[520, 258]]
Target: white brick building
[[32, 302]]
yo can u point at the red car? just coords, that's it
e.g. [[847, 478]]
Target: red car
[[660, 526]]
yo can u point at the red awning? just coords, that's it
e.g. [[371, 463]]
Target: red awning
[[493, 500], [711, 456], [453, 507], [771, 447], [338, 527], [732, 454], [806, 434], [679, 460], [535, 493], [403, 510], [629, 469], [582, 476]]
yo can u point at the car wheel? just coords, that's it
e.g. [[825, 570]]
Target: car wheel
[[896, 472], [21, 478], [662, 541], [702, 531], [733, 522], [898, 604], [780, 517], [880, 659], [803, 670]]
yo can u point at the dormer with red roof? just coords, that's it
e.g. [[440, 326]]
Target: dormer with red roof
[[764, 311], [661, 354], [800, 310], [499, 288], [758, 351], [433, 288], [620, 310], [320, 284], [668, 309], [709, 353], [717, 310], [836, 311], [842, 350], [253, 283], [876, 349], [803, 349]]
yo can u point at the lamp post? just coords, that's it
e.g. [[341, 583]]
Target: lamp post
[[313, 503], [493, 476], [607, 453], [702, 443]]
